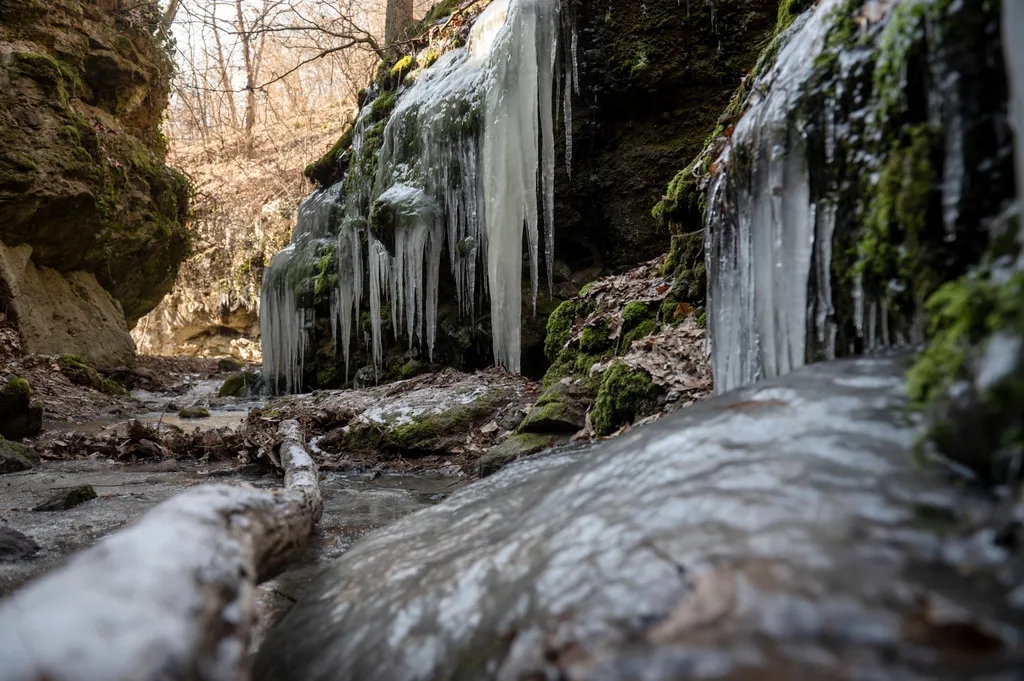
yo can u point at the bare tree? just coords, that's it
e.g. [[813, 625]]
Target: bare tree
[[399, 16]]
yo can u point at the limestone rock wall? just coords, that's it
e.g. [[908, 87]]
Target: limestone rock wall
[[67, 313], [82, 176]]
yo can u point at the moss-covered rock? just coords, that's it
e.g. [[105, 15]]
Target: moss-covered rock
[[194, 412], [238, 384], [560, 408], [20, 416], [229, 364], [514, 447], [15, 457], [80, 372], [82, 174], [625, 394]]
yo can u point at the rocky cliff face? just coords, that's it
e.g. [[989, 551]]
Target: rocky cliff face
[[82, 175], [647, 82]]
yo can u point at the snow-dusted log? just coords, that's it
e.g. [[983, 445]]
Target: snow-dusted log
[[170, 597]]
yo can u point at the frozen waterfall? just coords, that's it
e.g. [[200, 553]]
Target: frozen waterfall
[[762, 226], [465, 167]]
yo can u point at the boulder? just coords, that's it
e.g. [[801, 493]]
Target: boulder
[[229, 364], [513, 449], [238, 384], [20, 416], [64, 500], [63, 312], [194, 412], [15, 457], [560, 408], [16, 545], [781, 531]]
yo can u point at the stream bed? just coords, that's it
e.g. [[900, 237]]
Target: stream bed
[[353, 505]]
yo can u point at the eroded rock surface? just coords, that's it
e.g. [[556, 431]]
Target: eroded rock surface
[[437, 418], [779, 531]]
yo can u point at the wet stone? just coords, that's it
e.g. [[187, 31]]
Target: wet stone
[[770, 533], [15, 457], [16, 545], [67, 499]]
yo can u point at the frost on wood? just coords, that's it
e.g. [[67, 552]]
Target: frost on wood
[[466, 165], [171, 597]]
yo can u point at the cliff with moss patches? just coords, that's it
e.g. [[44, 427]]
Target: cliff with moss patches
[[859, 195], [652, 80], [82, 174]]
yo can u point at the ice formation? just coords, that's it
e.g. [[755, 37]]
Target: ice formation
[[778, 207], [466, 164], [763, 228], [1013, 29]]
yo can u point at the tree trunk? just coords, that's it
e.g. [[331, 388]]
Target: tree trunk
[[245, 38], [399, 16], [171, 597]]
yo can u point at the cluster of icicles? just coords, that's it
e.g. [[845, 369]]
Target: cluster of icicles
[[467, 163], [768, 243]]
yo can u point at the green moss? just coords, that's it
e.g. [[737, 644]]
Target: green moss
[[788, 12], [429, 58], [894, 245], [412, 368], [634, 313], [513, 448], [194, 413], [402, 66], [624, 395], [641, 330], [559, 329], [436, 13], [962, 314], [111, 387], [563, 366], [424, 433], [595, 338], [47, 70], [383, 105], [326, 169], [18, 387], [237, 383], [80, 372]]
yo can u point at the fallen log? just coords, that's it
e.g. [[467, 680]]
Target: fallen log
[[170, 597]]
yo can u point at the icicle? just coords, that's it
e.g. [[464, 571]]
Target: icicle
[[761, 227], [1013, 48], [510, 167], [466, 155]]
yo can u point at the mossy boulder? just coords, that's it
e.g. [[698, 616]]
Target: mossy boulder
[[229, 364], [194, 412], [15, 457], [20, 416], [625, 394], [238, 384], [82, 173], [514, 447], [560, 408], [81, 372]]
